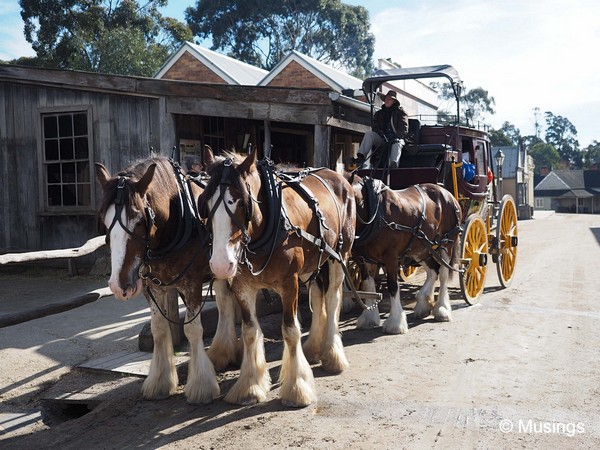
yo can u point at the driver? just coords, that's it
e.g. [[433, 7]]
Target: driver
[[390, 125]]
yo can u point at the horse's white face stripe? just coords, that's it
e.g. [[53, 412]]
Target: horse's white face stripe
[[223, 261], [118, 241]]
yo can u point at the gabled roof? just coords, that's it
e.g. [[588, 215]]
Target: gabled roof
[[577, 183], [336, 79], [229, 69]]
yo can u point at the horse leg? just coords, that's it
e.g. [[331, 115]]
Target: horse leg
[[396, 322], [333, 358], [161, 381], [442, 310], [225, 348], [296, 377], [425, 294], [312, 345], [254, 381], [201, 386], [369, 318]]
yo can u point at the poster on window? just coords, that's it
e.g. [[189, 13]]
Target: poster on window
[[190, 151]]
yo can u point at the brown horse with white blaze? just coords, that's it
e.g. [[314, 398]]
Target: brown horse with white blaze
[[311, 230], [159, 247], [417, 225]]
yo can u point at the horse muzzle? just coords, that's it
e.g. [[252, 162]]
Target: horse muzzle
[[223, 269], [126, 293]]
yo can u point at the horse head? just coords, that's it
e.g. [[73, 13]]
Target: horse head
[[128, 221], [227, 204]]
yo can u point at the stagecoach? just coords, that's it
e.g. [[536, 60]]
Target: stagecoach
[[457, 156]]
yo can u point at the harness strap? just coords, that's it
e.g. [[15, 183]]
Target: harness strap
[[319, 242], [417, 232]]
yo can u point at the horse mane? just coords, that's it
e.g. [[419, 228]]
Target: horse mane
[[162, 182]]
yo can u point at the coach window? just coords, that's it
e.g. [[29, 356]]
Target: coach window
[[66, 161]]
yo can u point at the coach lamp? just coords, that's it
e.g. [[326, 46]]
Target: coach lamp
[[499, 158]]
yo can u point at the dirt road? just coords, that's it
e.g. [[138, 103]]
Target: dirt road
[[518, 370]]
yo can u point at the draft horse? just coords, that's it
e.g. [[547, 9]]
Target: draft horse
[[273, 230], [159, 247], [419, 225]]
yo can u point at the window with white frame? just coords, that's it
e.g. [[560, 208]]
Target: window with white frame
[[66, 160], [539, 202]]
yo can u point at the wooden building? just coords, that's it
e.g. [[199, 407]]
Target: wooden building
[[55, 124]]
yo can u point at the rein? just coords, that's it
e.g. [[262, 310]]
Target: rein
[[189, 224]]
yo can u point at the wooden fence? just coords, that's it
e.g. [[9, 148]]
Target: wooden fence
[[23, 316]]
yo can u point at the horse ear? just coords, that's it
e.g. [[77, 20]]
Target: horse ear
[[142, 185], [102, 174], [250, 161], [209, 157]]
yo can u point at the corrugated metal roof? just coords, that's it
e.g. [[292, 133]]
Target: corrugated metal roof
[[240, 72], [229, 69], [335, 78], [511, 160]]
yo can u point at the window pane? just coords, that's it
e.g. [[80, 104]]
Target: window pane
[[54, 195], [80, 124], [51, 149], [83, 195], [65, 125], [83, 172], [67, 160], [68, 173], [81, 148], [69, 193], [53, 173], [66, 148], [50, 127]]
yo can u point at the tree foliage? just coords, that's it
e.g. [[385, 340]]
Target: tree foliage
[[591, 155], [562, 135], [544, 155], [507, 135], [499, 139], [475, 104], [109, 36], [262, 32]]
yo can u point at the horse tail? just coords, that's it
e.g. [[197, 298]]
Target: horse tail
[[454, 258]]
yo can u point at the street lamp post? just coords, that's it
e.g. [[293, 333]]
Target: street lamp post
[[499, 157]]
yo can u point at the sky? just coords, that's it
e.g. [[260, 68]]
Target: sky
[[526, 53]]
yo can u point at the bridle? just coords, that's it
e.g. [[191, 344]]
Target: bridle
[[119, 204], [189, 212], [223, 184]]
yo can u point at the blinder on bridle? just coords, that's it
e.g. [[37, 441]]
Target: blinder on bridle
[[248, 207], [119, 205]]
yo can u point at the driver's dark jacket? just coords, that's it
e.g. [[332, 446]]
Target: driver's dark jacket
[[395, 116]]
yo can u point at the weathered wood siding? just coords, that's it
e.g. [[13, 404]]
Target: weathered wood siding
[[124, 128]]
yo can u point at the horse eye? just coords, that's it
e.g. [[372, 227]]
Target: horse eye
[[230, 202]]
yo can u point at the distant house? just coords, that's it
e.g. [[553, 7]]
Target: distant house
[[517, 178], [573, 191]]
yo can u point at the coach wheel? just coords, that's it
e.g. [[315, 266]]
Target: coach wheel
[[508, 239], [474, 249], [407, 273]]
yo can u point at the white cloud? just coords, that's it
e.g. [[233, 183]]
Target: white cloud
[[526, 54], [12, 39]]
